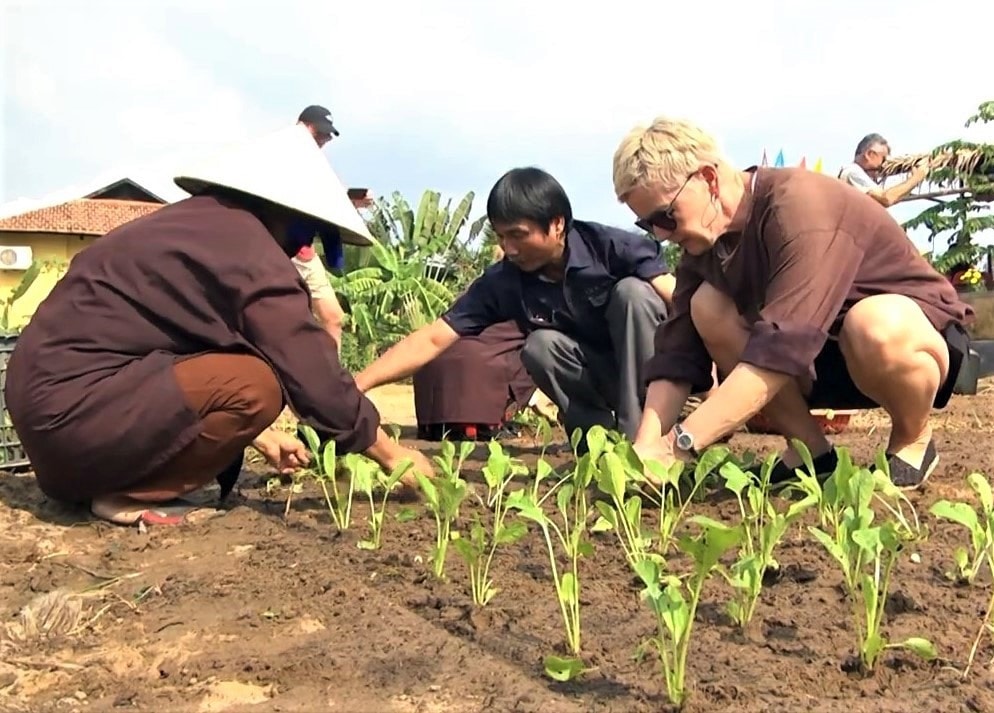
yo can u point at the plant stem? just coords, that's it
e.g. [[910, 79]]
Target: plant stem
[[559, 591], [980, 634], [331, 508]]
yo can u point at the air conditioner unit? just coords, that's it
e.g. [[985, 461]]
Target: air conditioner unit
[[15, 257]]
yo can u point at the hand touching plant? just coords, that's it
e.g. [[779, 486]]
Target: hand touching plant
[[282, 450]]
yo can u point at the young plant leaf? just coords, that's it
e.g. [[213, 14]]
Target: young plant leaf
[[563, 669], [922, 647]]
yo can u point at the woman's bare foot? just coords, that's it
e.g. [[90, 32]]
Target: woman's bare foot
[[124, 510]]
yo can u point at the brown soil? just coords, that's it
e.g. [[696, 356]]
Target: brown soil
[[243, 611]]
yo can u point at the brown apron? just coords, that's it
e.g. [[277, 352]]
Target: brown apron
[[478, 380]]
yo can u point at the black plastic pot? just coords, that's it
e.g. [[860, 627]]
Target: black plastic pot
[[979, 364]]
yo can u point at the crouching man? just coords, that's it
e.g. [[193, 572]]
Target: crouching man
[[589, 298], [174, 342], [805, 295]]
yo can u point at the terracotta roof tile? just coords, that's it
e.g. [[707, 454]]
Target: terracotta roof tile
[[78, 217]]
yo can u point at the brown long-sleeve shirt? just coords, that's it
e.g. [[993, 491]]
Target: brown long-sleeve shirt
[[811, 247], [90, 384]]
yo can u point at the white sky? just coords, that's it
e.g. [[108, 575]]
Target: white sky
[[448, 95]]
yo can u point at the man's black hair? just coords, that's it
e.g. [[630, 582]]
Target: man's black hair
[[528, 194]]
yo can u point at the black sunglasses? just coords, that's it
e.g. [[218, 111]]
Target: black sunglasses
[[662, 217]]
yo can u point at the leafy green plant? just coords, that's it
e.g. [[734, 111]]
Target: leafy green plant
[[27, 279], [570, 533], [980, 524], [762, 527], [479, 549], [865, 548], [368, 477], [663, 488], [964, 172], [674, 603], [326, 473], [617, 464], [443, 496]]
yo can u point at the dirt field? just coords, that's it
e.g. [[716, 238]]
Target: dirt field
[[245, 612]]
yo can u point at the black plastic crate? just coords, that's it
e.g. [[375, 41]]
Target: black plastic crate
[[12, 455]]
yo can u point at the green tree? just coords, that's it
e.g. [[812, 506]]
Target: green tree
[[963, 171]]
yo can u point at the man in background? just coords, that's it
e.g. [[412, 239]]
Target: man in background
[[863, 173], [311, 267]]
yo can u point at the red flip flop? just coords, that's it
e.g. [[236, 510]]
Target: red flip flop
[[158, 517]]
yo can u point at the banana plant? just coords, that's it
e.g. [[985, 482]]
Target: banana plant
[[28, 279], [411, 273]]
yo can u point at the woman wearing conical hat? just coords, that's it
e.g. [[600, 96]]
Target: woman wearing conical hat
[[175, 341]]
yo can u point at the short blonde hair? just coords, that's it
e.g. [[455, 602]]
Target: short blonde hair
[[665, 152]]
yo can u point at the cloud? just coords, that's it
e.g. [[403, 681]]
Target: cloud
[[449, 95], [106, 89]]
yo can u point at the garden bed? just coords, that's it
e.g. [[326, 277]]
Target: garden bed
[[246, 608]]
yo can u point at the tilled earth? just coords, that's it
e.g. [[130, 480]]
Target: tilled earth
[[242, 610]]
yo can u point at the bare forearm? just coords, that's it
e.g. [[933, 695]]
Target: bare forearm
[[894, 194], [746, 391], [663, 402], [404, 358]]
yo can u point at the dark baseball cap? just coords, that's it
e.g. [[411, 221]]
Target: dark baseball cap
[[319, 118]]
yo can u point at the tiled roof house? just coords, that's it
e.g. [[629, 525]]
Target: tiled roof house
[[53, 231]]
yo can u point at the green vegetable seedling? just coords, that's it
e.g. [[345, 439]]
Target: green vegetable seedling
[[866, 552], [478, 550], [325, 472], [762, 526], [617, 466], [674, 604], [572, 502], [981, 527], [368, 477], [443, 496], [980, 524]]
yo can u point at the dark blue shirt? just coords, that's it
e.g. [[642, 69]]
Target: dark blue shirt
[[597, 257]]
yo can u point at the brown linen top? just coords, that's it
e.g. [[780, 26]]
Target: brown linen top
[[90, 384], [811, 248]]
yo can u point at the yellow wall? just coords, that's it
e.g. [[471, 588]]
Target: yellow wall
[[46, 247]]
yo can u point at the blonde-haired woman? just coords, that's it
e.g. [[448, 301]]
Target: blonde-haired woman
[[804, 292]]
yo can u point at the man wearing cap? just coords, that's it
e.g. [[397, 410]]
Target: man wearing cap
[[318, 121], [176, 340], [328, 310]]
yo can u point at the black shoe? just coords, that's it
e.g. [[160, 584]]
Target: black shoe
[[824, 464], [908, 477]]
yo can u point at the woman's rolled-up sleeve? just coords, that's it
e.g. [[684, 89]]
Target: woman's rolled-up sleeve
[[680, 354]]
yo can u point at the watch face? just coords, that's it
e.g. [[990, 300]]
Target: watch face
[[684, 441]]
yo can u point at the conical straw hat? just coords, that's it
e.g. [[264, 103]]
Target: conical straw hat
[[284, 167]]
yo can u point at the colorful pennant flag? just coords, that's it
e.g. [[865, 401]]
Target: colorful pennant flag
[[765, 161], [804, 162], [779, 162], [817, 168]]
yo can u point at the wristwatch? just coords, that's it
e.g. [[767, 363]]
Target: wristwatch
[[684, 441]]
